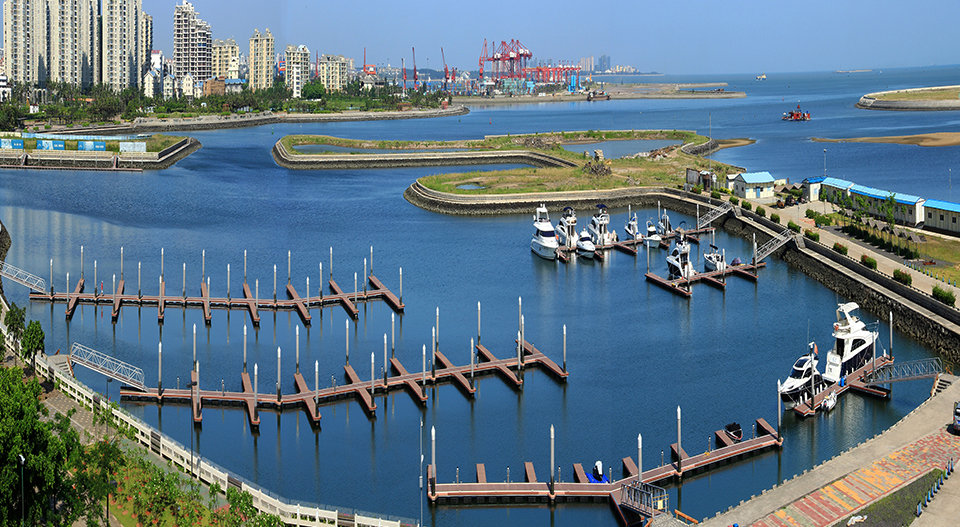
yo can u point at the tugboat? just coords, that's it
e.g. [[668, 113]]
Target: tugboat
[[854, 344], [796, 115], [544, 240]]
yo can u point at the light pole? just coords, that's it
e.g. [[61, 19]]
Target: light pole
[[824, 162], [23, 508]]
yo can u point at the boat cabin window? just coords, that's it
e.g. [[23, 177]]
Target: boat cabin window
[[799, 371], [547, 234], [858, 343]]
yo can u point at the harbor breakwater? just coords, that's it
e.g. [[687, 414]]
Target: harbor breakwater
[[916, 313], [871, 102], [76, 159]]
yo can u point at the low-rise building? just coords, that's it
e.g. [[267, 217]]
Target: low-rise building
[[234, 85], [214, 87], [169, 87], [941, 216], [151, 83], [907, 209], [753, 185]]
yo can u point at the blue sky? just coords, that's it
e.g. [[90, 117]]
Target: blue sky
[[689, 37]]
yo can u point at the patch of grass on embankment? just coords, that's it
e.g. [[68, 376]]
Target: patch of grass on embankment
[[899, 508], [946, 94], [155, 143]]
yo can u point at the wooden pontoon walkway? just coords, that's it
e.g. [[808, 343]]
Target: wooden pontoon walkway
[[854, 381], [363, 390], [207, 303], [681, 286], [580, 489]]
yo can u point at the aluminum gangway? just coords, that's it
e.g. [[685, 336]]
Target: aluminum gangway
[[22, 277], [645, 499], [772, 245], [107, 365], [707, 219], [904, 371]]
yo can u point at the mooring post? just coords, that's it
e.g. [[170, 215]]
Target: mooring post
[[437, 336], [471, 362], [244, 348], [51, 276], [255, 386], [298, 348], [288, 267], [139, 289], [274, 284], [519, 311], [81, 262], [321, 286], [552, 490], [354, 286], [257, 292], [478, 323], [316, 386], [433, 458], [161, 263], [433, 357], [331, 263], [371, 260], [160, 368], [523, 337], [114, 293], [68, 286], [307, 299], [564, 348], [194, 345], [346, 326], [891, 343], [755, 262], [384, 361], [679, 448], [244, 266], [203, 265], [372, 359], [95, 290], [228, 285], [393, 334], [639, 458], [424, 381], [779, 410], [278, 374], [364, 276], [198, 389], [401, 285]]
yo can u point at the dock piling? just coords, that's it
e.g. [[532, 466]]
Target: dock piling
[[274, 283], [393, 335], [81, 265], [114, 290], [365, 275], [552, 491], [139, 289], [95, 293], [354, 287], [424, 387], [68, 284], [316, 386], [51, 277], [257, 292], [433, 459], [564, 348], [437, 336], [433, 356], [244, 266], [385, 361], [371, 259], [471, 362], [478, 323], [331, 263], [372, 361], [203, 265], [321, 287], [255, 391], [184, 282], [640, 458], [288, 267], [161, 263], [160, 368], [228, 284], [298, 349], [401, 286], [278, 374], [779, 409], [308, 294], [679, 448], [522, 336], [346, 325], [244, 348], [194, 345]]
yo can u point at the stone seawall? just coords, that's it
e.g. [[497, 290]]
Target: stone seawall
[[72, 159], [412, 159], [871, 102]]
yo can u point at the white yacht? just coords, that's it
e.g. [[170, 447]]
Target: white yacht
[[679, 259], [567, 228], [804, 379], [854, 344], [653, 237], [544, 241], [663, 226], [632, 228], [599, 233], [715, 260], [585, 246]]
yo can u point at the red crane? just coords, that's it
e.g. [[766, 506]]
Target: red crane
[[446, 72], [416, 83], [508, 60], [369, 69], [403, 66]]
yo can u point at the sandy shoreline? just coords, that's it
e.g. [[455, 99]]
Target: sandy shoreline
[[934, 139]]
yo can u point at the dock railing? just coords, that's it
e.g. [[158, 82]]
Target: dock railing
[[645, 499], [297, 514]]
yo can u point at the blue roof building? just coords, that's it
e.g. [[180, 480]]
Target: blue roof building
[[754, 185]]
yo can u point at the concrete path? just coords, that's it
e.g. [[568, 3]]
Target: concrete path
[[847, 483]]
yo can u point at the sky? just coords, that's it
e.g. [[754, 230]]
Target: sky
[[667, 36]]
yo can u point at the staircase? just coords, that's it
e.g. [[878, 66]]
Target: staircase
[[772, 245], [707, 219]]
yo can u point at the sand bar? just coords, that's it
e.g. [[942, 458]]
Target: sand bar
[[934, 139]]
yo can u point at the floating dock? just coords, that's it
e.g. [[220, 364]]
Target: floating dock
[[248, 301], [630, 247], [853, 381], [444, 371], [681, 286]]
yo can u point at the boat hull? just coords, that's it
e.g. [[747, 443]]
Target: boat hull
[[544, 251]]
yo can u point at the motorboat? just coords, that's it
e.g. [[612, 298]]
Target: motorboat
[[585, 246], [715, 260], [854, 344], [596, 475], [734, 432], [567, 228], [804, 379], [632, 227], [663, 225], [829, 402], [653, 237], [544, 241], [599, 232], [678, 261]]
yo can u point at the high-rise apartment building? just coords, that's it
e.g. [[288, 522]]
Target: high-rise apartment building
[[146, 41], [192, 44], [120, 43], [261, 60], [297, 59], [226, 59], [24, 40], [604, 63], [332, 71], [586, 64]]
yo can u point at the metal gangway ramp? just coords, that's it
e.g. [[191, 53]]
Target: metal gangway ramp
[[644, 499], [904, 371], [22, 277], [107, 365], [707, 219], [772, 245]]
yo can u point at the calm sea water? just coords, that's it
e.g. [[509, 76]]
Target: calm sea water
[[635, 352]]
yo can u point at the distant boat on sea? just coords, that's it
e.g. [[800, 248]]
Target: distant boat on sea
[[762, 77]]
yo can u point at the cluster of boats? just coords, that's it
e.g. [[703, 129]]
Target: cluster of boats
[[854, 346]]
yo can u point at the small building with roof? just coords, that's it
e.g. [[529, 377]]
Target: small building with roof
[[907, 208], [834, 190], [810, 187], [753, 185], [941, 216]]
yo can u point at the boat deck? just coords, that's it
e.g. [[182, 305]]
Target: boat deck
[[853, 381]]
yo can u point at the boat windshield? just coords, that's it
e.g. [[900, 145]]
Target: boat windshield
[[548, 234], [800, 369]]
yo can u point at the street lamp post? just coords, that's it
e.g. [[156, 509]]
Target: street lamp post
[[23, 508]]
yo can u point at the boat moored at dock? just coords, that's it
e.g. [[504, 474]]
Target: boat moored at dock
[[567, 228], [804, 380], [599, 231], [544, 241], [678, 261], [585, 246], [854, 344]]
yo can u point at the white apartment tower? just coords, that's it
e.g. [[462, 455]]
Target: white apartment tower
[[192, 44], [120, 45], [226, 59], [332, 71], [297, 60], [146, 41], [24, 40], [261, 60]]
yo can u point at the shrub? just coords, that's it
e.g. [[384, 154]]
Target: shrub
[[696, 189], [944, 295], [761, 211], [747, 205], [715, 194], [811, 213], [815, 236], [775, 217], [840, 248], [868, 261], [793, 226], [735, 200], [903, 277]]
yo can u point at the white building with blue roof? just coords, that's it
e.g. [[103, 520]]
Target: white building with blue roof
[[941, 216], [907, 208], [753, 185]]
